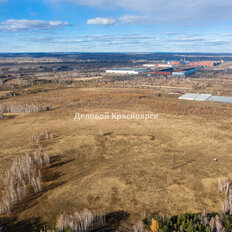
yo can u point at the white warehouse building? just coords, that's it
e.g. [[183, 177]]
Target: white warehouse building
[[127, 71]]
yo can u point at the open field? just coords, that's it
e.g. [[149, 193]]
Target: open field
[[124, 165], [88, 78], [128, 169]]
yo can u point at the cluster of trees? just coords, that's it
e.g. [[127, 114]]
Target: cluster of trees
[[189, 222], [36, 138], [24, 173], [225, 188], [17, 108], [84, 221]]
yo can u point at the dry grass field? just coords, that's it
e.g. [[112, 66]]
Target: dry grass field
[[124, 165]]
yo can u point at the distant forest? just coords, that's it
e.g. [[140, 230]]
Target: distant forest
[[125, 56]]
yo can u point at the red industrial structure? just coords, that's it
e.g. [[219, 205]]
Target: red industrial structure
[[175, 62], [204, 63], [162, 72], [180, 68]]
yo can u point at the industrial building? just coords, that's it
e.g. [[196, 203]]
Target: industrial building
[[132, 71], [222, 99], [176, 62], [149, 65], [185, 71], [180, 68], [174, 68], [182, 71], [167, 64], [178, 74], [195, 97], [206, 97], [165, 72], [204, 63], [170, 64], [158, 65]]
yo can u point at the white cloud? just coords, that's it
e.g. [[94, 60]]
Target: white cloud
[[101, 21], [124, 42], [14, 25], [125, 19], [171, 33], [133, 39], [169, 10], [134, 19], [224, 34]]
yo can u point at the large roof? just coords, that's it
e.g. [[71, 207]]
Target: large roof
[[206, 97], [220, 99], [196, 97], [129, 69]]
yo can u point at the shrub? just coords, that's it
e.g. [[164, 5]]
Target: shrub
[[154, 226], [40, 136], [139, 227]]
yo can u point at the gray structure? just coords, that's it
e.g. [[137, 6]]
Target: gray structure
[[206, 97], [220, 99], [195, 97]]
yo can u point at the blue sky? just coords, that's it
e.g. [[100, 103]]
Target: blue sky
[[115, 26]]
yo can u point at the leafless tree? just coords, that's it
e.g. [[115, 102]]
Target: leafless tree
[[24, 171], [84, 221]]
